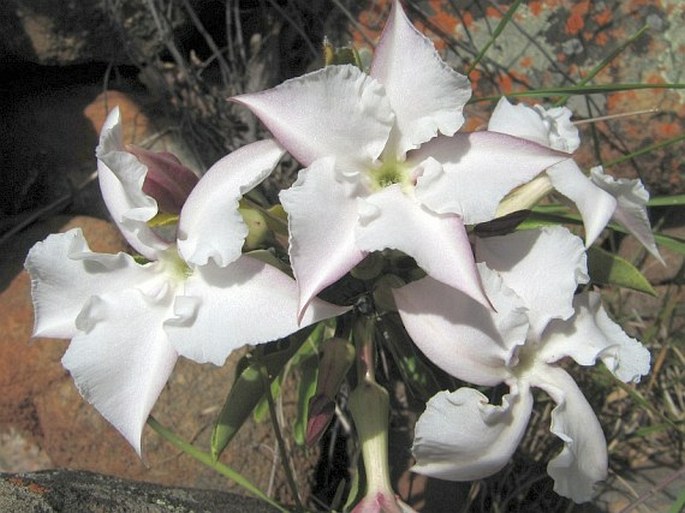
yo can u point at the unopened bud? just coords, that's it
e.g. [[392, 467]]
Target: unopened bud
[[167, 181], [337, 355]]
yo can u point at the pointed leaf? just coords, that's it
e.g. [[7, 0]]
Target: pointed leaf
[[248, 389], [607, 268], [415, 372], [306, 387]]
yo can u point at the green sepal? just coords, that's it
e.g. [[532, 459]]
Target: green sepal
[[338, 56], [248, 389], [608, 269], [163, 219]]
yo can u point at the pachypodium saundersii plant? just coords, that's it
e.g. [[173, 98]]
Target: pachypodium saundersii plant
[[198, 296], [387, 176]]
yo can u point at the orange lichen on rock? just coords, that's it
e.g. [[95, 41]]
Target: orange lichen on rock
[[601, 38], [505, 83], [620, 98], [491, 12], [604, 17], [668, 130], [576, 19], [535, 7], [442, 19], [526, 62]]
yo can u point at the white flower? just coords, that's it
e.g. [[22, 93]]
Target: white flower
[[530, 277], [197, 297], [377, 173], [598, 197]]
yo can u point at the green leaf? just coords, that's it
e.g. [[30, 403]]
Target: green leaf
[[607, 268], [667, 201], [248, 389], [414, 371], [673, 243], [582, 90], [306, 388], [678, 505]]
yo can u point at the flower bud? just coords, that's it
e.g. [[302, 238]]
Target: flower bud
[[337, 355], [370, 407], [167, 181]]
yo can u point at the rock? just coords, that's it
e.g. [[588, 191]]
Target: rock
[[73, 32], [86, 492]]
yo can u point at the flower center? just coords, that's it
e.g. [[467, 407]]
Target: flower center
[[390, 173], [526, 359], [174, 265]]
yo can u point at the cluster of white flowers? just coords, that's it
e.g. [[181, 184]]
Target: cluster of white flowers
[[384, 167]]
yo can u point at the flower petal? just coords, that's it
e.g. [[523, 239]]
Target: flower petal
[[337, 111], [589, 335], [544, 267], [65, 273], [460, 437], [459, 335], [426, 95], [322, 216], [121, 177], [247, 302], [631, 211], [210, 225], [438, 243], [549, 127], [478, 170], [595, 205], [122, 360], [583, 460]]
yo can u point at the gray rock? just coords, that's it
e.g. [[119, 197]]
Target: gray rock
[[70, 491], [59, 32]]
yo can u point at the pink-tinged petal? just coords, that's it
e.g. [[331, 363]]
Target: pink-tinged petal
[[337, 111], [438, 243], [322, 217], [65, 273], [583, 460], [122, 359], [544, 267], [461, 437], [426, 95], [459, 335], [210, 226], [478, 170], [590, 335], [548, 127], [248, 302], [167, 181], [631, 210], [121, 176], [595, 205]]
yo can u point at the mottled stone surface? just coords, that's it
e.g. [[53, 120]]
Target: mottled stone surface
[[61, 491]]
